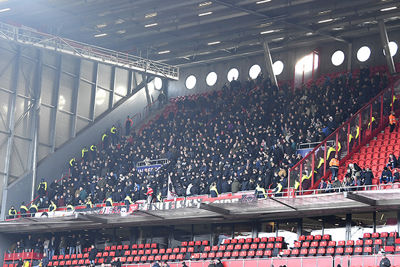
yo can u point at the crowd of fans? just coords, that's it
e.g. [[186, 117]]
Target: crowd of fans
[[239, 138]]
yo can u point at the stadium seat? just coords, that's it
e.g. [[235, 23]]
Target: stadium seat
[[321, 252]]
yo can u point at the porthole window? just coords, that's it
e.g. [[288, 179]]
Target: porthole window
[[363, 53], [392, 48], [277, 67], [158, 83], [233, 74], [254, 71], [337, 58], [211, 79], [190, 82]]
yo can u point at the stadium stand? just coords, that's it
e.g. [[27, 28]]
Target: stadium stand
[[224, 137]]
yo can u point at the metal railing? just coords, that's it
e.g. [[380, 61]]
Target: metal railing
[[28, 36], [351, 135]]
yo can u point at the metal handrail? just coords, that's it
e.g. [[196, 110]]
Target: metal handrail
[[336, 132], [28, 36]]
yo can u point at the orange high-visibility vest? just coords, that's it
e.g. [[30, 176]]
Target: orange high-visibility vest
[[334, 162], [392, 119]]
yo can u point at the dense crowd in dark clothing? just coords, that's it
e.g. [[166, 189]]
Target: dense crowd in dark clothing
[[232, 139]]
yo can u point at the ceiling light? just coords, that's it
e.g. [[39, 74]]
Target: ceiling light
[[164, 52], [388, 8], [266, 32], [150, 15], [262, 2], [205, 13], [277, 39], [205, 4], [214, 43], [324, 12], [325, 20], [101, 25], [309, 33], [150, 25], [100, 35], [337, 29], [119, 21], [5, 9], [121, 31]]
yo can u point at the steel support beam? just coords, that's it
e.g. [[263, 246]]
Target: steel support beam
[[75, 100], [385, 44], [146, 88], [11, 124], [130, 82], [349, 56], [35, 122], [94, 92], [56, 95], [268, 63], [112, 88]]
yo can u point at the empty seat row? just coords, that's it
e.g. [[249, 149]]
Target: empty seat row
[[246, 246], [254, 240]]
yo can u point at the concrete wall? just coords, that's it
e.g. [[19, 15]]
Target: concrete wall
[[289, 58]]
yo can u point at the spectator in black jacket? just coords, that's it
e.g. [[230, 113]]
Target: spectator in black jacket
[[92, 255]]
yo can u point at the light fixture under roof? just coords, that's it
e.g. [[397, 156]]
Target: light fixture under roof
[[150, 15], [388, 8], [164, 52], [100, 35], [337, 28], [5, 9], [103, 25], [309, 33], [325, 20], [262, 1], [151, 25], [121, 31], [324, 12], [119, 21], [205, 14], [269, 31], [203, 4], [214, 43]]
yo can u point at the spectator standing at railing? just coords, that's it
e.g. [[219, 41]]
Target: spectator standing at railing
[[12, 212], [386, 176], [128, 125], [28, 243], [392, 121], [366, 177], [23, 209], [92, 255], [62, 246], [334, 166], [52, 247]]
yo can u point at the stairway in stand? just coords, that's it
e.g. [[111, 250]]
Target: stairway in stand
[[375, 154]]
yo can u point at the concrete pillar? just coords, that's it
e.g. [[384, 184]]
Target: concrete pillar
[[349, 56], [268, 63], [385, 44]]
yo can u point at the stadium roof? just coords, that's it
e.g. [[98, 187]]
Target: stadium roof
[[185, 32], [267, 209]]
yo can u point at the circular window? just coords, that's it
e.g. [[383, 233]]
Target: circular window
[[277, 67], [158, 83], [363, 53], [190, 82], [392, 48], [254, 71], [233, 74], [211, 79], [337, 58]]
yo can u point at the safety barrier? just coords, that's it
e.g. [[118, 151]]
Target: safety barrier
[[351, 135]]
